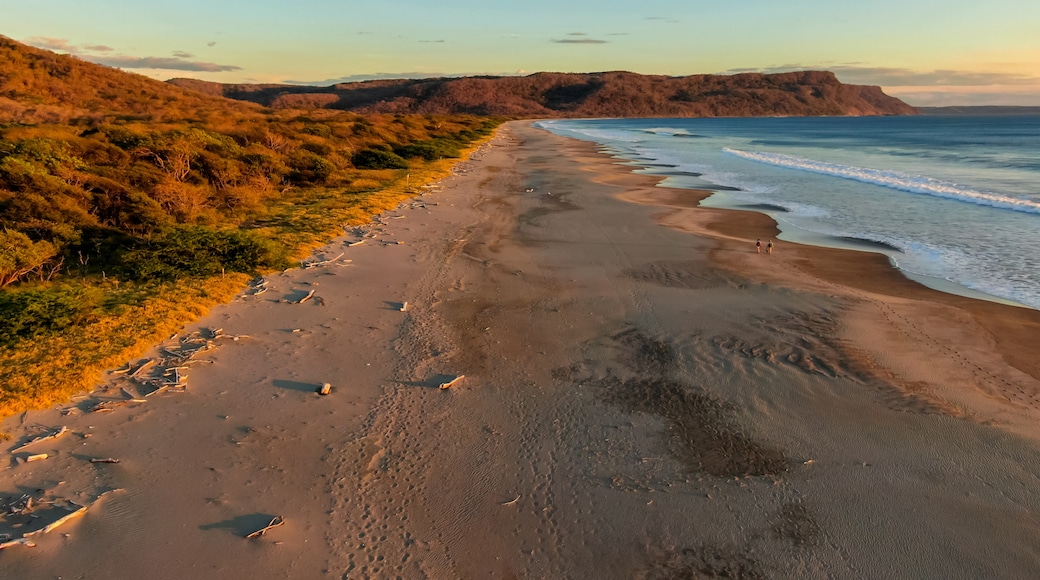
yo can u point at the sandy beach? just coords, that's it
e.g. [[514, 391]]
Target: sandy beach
[[644, 396]]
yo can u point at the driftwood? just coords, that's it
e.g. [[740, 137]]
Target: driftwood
[[404, 306], [176, 355], [305, 298], [357, 243], [106, 460], [108, 406], [19, 542], [452, 382], [325, 389], [275, 522], [308, 265], [123, 371], [141, 368], [37, 457], [54, 435], [81, 509], [513, 501]]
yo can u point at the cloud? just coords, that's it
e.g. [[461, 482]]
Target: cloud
[[904, 77], [933, 88], [358, 78], [940, 96], [179, 60], [576, 34], [49, 43], [160, 62], [211, 43], [441, 41], [662, 19], [578, 41]]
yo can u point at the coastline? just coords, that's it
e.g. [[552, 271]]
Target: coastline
[[1016, 328], [1003, 334], [638, 401]]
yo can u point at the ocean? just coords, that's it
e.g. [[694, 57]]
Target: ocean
[[953, 201]]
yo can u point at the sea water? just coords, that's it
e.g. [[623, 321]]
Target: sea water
[[954, 201]]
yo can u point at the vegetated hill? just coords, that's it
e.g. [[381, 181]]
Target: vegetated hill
[[608, 94], [128, 205], [39, 86]]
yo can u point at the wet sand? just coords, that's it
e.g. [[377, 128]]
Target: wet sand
[[644, 396]]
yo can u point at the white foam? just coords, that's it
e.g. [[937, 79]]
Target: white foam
[[893, 180], [669, 132]]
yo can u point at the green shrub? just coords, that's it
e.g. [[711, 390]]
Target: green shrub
[[307, 168], [200, 251], [26, 314], [430, 150], [377, 159]]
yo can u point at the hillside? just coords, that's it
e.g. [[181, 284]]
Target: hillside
[[128, 206], [608, 94], [39, 86]]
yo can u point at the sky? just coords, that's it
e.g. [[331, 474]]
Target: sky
[[926, 52]]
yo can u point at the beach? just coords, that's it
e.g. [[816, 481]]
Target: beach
[[642, 395]]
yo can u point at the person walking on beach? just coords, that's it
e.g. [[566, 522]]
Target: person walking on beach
[[758, 246], [769, 248]]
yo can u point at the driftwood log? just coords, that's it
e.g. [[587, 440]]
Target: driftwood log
[[275, 522], [54, 435], [452, 382]]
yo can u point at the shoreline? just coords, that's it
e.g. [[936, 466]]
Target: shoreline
[[1016, 327], [637, 401]]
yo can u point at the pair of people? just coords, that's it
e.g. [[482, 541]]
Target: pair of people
[[758, 246]]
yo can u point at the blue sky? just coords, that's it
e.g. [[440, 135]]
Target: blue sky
[[927, 52]]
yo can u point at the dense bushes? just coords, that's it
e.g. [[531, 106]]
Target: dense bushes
[[199, 251], [38, 312], [130, 180], [20, 256], [378, 159], [431, 150]]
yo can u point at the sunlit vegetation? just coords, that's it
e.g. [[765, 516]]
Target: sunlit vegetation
[[129, 207]]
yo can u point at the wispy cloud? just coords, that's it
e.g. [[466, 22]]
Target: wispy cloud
[[179, 61], [399, 76], [578, 41], [440, 41], [664, 19], [211, 43], [160, 62], [49, 43], [904, 77]]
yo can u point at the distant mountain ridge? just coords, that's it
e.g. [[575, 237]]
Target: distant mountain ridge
[[605, 94]]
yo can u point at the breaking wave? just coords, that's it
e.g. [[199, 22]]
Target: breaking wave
[[893, 180]]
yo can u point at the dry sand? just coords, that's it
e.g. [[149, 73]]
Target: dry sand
[[638, 401]]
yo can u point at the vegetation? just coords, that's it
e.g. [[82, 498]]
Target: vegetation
[[128, 207]]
